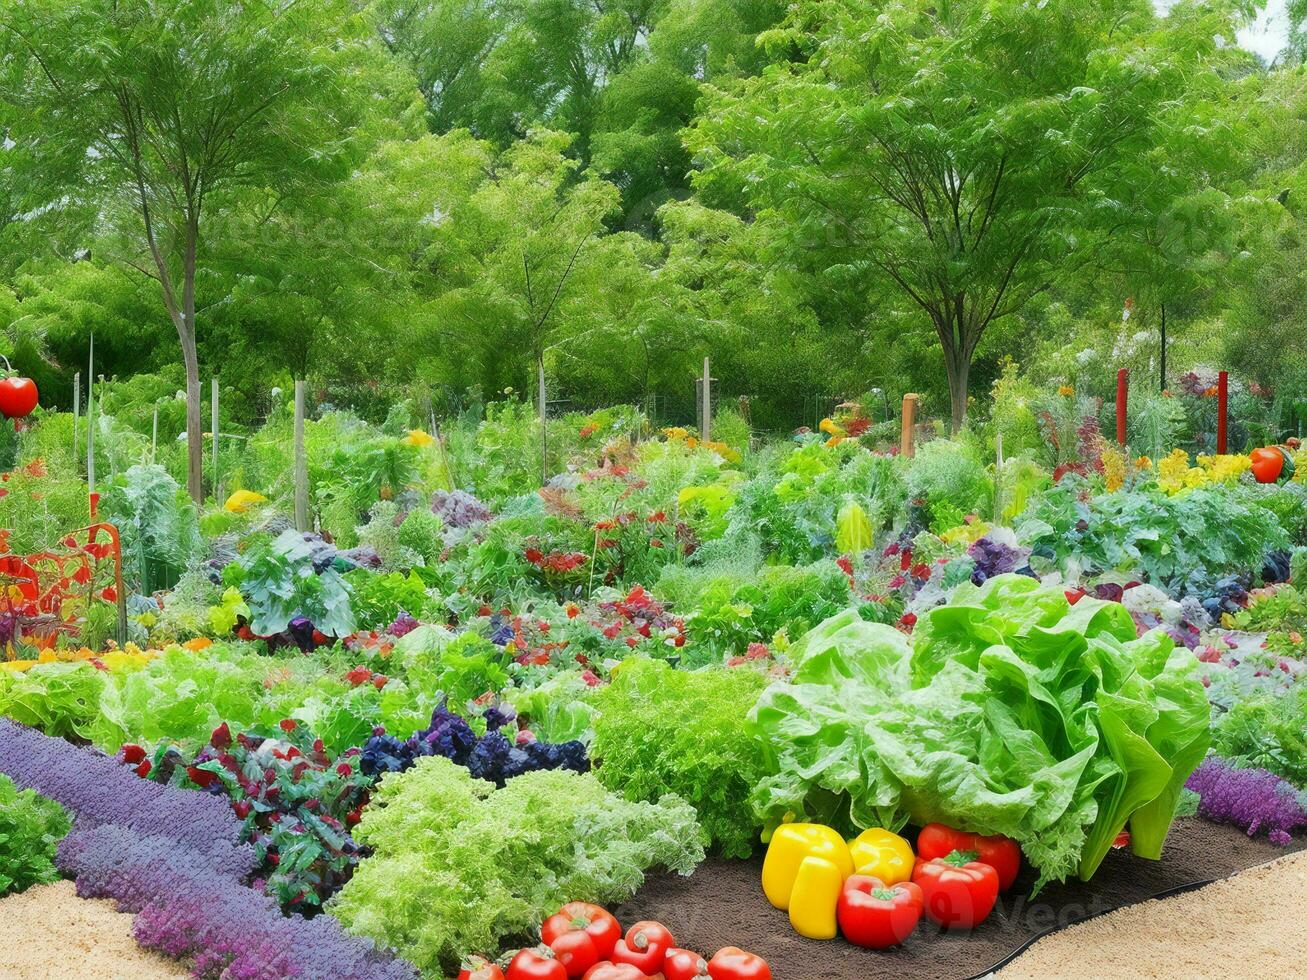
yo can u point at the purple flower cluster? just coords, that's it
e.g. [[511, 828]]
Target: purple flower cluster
[[1251, 799], [172, 856], [183, 910], [98, 790]]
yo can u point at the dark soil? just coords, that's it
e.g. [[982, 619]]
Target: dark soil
[[722, 904]]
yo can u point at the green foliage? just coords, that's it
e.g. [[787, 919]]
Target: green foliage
[[278, 581], [31, 827], [462, 668], [950, 481], [662, 730], [158, 525], [1182, 543], [377, 600], [61, 699], [458, 866], [1266, 731]]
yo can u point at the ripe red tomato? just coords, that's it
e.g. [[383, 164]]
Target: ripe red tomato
[[645, 946], [480, 968], [18, 397]]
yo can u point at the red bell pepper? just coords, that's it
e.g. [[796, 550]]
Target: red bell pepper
[[480, 968], [1003, 854], [958, 891], [878, 916], [619, 971], [682, 964], [536, 964], [580, 935], [645, 946], [733, 963]]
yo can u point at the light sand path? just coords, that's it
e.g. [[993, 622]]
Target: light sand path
[[1251, 925], [48, 933]]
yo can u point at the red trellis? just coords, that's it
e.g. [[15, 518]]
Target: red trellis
[[34, 588]]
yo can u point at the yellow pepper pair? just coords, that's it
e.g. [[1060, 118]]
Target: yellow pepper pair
[[807, 864]]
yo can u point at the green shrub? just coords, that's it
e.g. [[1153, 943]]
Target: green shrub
[[662, 730], [31, 827]]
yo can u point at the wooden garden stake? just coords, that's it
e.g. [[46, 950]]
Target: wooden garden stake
[[90, 419], [998, 478], [213, 408], [77, 411], [1122, 394], [1222, 411], [301, 463], [154, 436], [907, 448], [542, 406], [705, 422]]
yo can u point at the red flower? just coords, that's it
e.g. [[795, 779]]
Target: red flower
[[908, 620], [484, 610], [133, 754], [379, 681], [287, 725], [590, 677], [144, 768], [221, 737], [573, 610], [242, 808], [202, 778], [921, 570], [344, 770], [631, 641], [534, 555]]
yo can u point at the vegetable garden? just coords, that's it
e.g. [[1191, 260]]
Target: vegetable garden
[[795, 706]]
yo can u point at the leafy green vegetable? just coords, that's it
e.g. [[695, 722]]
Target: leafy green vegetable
[[1267, 731], [458, 865], [31, 827], [61, 699], [1010, 711], [662, 730], [279, 582]]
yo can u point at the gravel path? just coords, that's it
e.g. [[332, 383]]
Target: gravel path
[[1251, 925], [48, 932]]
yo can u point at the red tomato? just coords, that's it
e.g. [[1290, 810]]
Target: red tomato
[[733, 963], [876, 916], [480, 968], [18, 397], [536, 964], [645, 946], [577, 930], [1003, 854], [619, 971], [682, 964], [958, 893]]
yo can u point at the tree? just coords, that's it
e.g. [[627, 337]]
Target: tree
[[954, 151], [157, 118]]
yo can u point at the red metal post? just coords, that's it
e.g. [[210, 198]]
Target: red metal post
[[1122, 385], [1222, 411]]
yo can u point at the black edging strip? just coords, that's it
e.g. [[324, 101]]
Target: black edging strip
[[1165, 893]]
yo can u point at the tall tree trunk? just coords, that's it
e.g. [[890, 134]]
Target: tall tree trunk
[[957, 366]]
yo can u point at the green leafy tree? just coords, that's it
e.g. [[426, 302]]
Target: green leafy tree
[[951, 150], [154, 119]]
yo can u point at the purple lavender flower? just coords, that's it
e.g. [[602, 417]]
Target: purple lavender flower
[[1251, 799]]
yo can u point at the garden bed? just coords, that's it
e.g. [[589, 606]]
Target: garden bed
[[722, 904]]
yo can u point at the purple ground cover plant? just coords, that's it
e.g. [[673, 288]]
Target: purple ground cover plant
[[172, 856], [1251, 799]]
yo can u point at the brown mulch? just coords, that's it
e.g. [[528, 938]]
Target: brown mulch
[[722, 904]]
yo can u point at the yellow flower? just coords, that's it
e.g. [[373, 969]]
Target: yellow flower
[[242, 500], [1173, 472], [676, 433], [1113, 469], [416, 437], [1066, 391], [1143, 463], [829, 427]]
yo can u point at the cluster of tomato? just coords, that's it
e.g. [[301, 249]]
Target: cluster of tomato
[[585, 941]]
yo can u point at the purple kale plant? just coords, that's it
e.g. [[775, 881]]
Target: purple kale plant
[[1251, 799]]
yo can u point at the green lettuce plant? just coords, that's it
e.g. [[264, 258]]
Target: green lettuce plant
[[31, 827], [1008, 711], [457, 865]]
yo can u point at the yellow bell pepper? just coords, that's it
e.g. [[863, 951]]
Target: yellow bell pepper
[[816, 897], [882, 855], [790, 844]]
